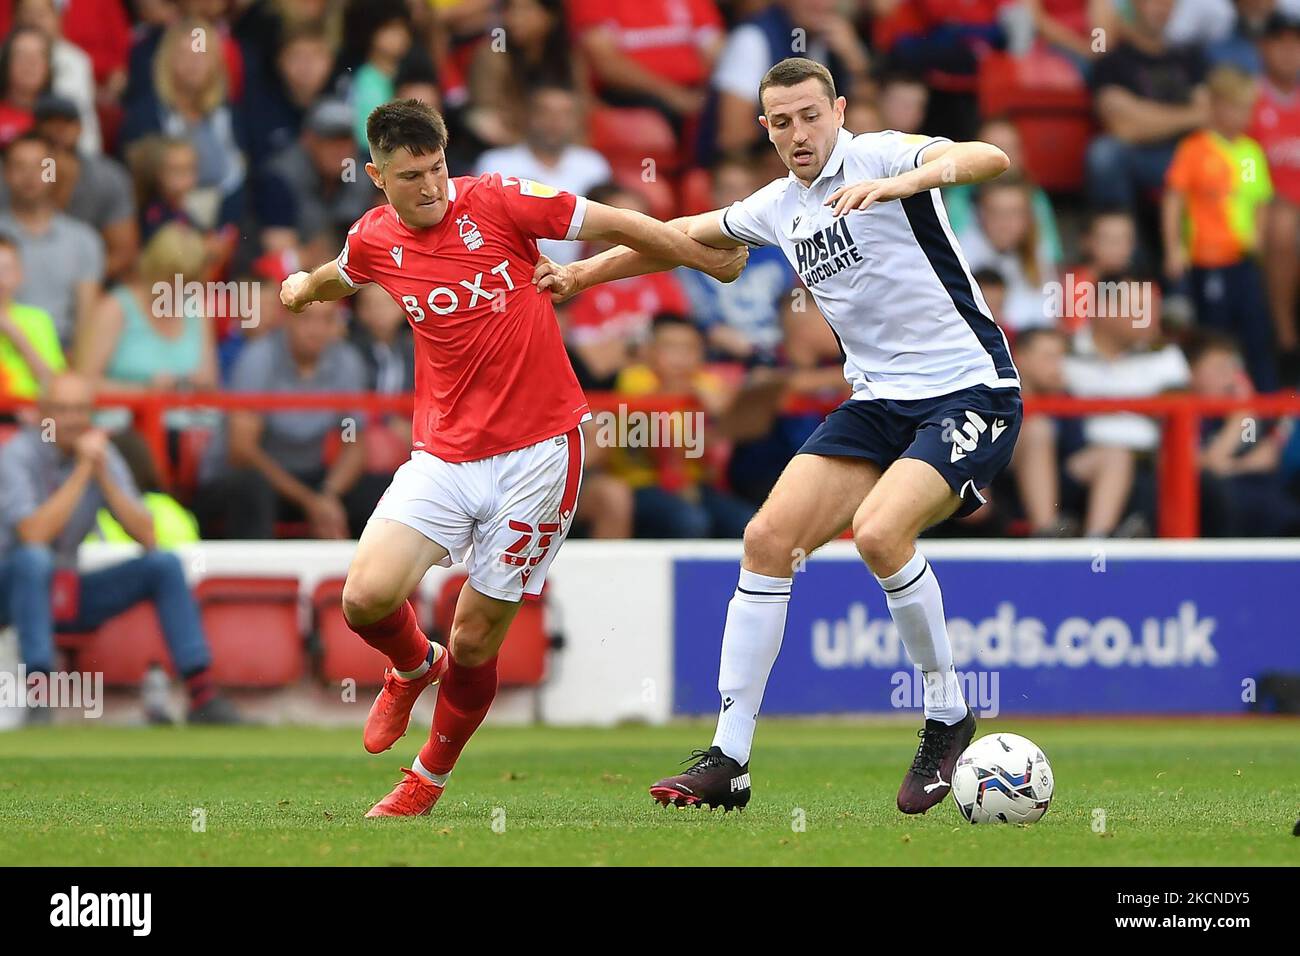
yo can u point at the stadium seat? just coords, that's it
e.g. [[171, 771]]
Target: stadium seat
[[629, 136], [694, 192], [252, 627], [339, 653], [122, 649], [658, 193], [1043, 94], [522, 661]]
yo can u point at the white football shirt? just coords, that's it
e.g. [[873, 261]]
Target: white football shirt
[[891, 280]]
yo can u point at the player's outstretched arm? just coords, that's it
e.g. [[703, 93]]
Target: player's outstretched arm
[[322, 284], [944, 164], [626, 260]]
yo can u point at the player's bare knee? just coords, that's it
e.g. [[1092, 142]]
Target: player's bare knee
[[472, 640], [366, 600], [879, 544], [768, 550]]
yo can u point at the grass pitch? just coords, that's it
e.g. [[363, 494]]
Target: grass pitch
[[1171, 792]]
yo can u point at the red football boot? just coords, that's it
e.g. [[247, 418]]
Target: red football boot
[[412, 797], [390, 714]]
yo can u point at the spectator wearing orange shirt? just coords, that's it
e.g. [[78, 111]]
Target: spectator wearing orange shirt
[[1217, 183]]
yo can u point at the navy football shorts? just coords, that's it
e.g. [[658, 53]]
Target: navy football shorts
[[967, 435]]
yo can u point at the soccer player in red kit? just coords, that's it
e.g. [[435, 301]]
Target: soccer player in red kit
[[494, 471]]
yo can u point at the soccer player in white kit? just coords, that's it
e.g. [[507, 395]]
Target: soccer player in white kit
[[933, 417], [494, 472]]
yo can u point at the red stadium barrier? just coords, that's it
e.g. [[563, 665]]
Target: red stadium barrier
[[1180, 415]]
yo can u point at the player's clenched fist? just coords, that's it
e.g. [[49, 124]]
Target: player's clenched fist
[[730, 264], [293, 292]]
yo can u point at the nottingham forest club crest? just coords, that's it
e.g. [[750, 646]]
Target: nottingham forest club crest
[[469, 233]]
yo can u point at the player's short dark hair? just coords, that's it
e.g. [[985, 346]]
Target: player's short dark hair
[[989, 276], [405, 124], [8, 241], [794, 70]]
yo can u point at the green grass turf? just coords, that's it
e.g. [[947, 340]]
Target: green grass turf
[[1173, 793]]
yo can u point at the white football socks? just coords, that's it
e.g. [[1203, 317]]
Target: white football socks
[[424, 665], [440, 779], [916, 605], [750, 643]]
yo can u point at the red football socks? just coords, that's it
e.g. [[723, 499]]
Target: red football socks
[[464, 697], [398, 637]]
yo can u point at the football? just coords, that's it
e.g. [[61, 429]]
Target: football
[[1002, 778]]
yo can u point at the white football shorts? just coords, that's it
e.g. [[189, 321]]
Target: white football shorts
[[505, 516]]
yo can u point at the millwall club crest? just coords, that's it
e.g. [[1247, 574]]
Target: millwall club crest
[[469, 233]]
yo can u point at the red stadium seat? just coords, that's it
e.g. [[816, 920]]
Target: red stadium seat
[[122, 649], [341, 654], [629, 136], [658, 193], [695, 192], [252, 627], [522, 661], [1045, 97]]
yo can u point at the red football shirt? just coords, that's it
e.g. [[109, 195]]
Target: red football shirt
[[666, 38], [1275, 125], [491, 373]]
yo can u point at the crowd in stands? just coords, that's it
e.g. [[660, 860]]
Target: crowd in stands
[[1153, 247]]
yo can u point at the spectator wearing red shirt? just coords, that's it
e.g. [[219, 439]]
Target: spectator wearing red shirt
[[654, 53], [25, 74], [103, 30], [606, 324], [1275, 124]]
